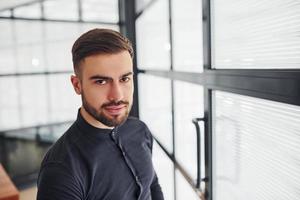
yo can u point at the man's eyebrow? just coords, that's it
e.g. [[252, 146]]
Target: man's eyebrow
[[100, 77], [127, 74], [107, 77]]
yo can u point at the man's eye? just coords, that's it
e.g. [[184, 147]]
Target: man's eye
[[100, 82], [125, 79]]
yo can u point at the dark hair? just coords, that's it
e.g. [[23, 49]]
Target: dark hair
[[99, 41]]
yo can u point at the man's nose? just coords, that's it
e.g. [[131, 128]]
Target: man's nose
[[115, 93]]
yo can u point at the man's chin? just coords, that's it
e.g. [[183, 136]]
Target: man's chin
[[114, 120]]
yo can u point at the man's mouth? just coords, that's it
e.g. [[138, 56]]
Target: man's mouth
[[115, 109]]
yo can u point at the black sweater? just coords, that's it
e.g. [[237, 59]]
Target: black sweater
[[89, 163]]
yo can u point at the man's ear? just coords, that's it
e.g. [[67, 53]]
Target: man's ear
[[76, 84]]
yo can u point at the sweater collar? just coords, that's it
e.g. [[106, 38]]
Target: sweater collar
[[91, 130]]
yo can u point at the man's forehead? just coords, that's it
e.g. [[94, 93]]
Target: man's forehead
[[107, 65]]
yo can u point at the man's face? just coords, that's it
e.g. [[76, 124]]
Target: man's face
[[106, 87]]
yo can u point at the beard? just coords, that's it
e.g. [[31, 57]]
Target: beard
[[99, 115]]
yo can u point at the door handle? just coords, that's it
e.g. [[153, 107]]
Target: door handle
[[198, 134]]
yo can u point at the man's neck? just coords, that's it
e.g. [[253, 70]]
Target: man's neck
[[91, 120]]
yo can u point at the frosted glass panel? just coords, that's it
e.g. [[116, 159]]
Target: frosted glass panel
[[165, 171], [155, 107], [33, 100], [256, 34], [187, 35], [153, 43], [31, 46], [100, 10], [59, 57], [30, 11], [64, 102], [141, 5], [30, 58], [7, 61], [188, 105], [25, 32], [256, 149], [9, 103], [62, 9], [183, 189], [7, 33], [5, 13]]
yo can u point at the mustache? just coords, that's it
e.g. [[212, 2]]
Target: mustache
[[115, 103]]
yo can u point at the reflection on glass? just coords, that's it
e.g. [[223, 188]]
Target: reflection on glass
[[188, 105], [153, 43], [187, 35], [155, 107], [256, 34], [255, 148], [165, 171]]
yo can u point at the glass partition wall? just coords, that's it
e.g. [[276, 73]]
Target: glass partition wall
[[223, 82], [169, 47]]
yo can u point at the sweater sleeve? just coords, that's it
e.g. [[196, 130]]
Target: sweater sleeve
[[156, 192], [56, 182]]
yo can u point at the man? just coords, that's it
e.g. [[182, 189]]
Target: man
[[104, 155]]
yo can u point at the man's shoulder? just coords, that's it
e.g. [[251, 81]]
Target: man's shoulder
[[61, 150], [135, 121], [134, 127]]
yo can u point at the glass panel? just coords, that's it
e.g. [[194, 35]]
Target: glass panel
[[30, 58], [141, 4], [59, 38], [88, 26], [62, 9], [33, 99], [165, 171], [5, 13], [155, 107], [184, 190], [188, 105], [153, 42], [63, 99], [26, 32], [59, 57], [256, 34], [100, 10], [9, 103], [30, 11], [7, 60], [29, 46], [7, 35], [187, 35], [256, 148]]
